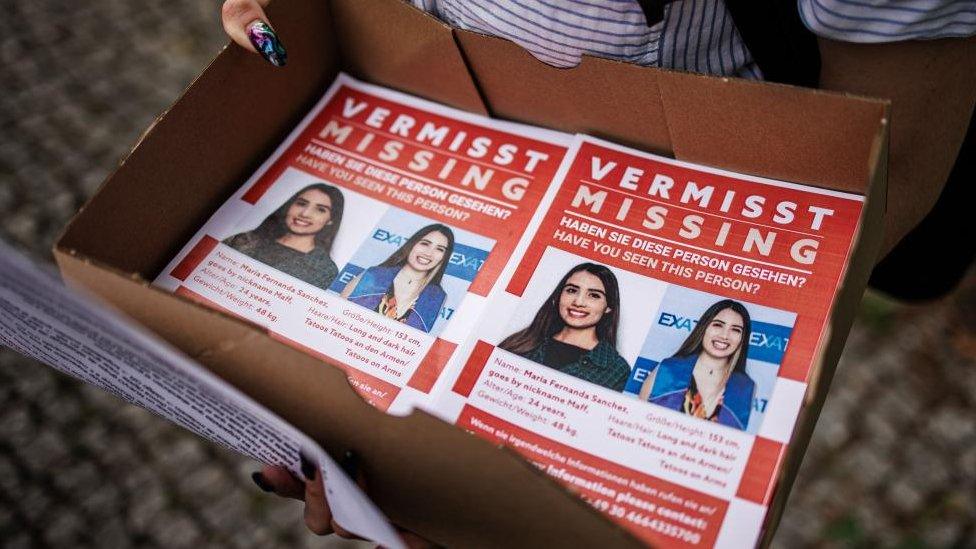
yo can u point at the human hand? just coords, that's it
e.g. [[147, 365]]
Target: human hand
[[318, 515], [245, 23]]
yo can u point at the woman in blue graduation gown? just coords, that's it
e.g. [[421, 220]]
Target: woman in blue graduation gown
[[706, 377]]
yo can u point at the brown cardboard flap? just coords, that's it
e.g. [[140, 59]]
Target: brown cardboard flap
[[158, 310], [399, 46], [776, 131], [472, 494], [806, 136], [204, 147], [864, 254], [427, 475], [586, 99]]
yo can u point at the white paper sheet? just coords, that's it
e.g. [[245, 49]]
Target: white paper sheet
[[41, 318]]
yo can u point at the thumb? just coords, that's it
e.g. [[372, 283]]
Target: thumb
[[246, 24]]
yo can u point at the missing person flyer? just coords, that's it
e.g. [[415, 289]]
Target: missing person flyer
[[372, 235], [652, 349]]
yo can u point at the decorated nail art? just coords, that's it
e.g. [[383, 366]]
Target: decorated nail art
[[266, 42]]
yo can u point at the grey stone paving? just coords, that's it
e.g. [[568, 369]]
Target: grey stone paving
[[892, 463]]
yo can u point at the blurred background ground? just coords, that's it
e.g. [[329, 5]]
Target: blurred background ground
[[892, 462]]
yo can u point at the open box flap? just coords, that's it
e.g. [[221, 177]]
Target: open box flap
[[167, 318], [864, 253], [818, 138], [585, 99], [472, 494], [775, 131], [399, 46], [429, 476], [199, 151]]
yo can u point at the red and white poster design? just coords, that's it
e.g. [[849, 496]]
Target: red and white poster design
[[373, 234], [652, 347]]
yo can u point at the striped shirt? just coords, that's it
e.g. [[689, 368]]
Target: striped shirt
[[694, 35], [889, 20]]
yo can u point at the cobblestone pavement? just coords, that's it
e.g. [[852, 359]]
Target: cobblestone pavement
[[892, 463]]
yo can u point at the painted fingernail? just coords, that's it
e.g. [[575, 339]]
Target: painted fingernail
[[350, 464], [308, 469], [262, 482], [266, 41]]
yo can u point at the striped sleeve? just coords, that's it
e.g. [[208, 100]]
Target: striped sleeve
[[694, 35], [873, 21]]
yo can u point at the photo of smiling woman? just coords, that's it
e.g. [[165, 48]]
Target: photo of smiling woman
[[575, 330], [407, 286], [706, 377], [297, 237]]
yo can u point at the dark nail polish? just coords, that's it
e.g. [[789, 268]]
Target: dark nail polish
[[262, 482], [350, 464], [308, 469], [266, 41]]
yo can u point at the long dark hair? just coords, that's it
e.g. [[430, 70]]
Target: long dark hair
[[693, 343], [274, 227], [548, 322], [399, 257]]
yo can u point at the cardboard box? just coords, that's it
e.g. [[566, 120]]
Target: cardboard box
[[426, 475]]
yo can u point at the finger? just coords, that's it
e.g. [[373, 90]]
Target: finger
[[247, 25], [318, 516], [342, 532], [236, 15], [282, 482]]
